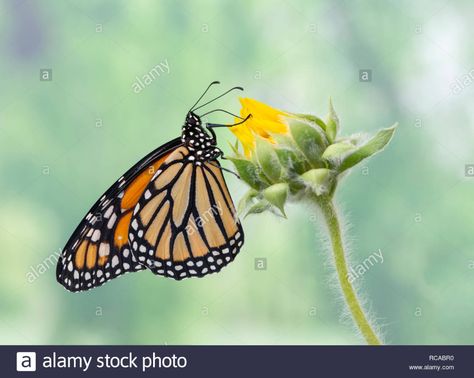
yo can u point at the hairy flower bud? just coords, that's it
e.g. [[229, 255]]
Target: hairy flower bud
[[288, 155]]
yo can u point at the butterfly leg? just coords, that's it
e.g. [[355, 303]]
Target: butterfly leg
[[224, 169]]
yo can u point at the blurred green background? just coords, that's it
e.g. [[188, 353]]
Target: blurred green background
[[64, 141]]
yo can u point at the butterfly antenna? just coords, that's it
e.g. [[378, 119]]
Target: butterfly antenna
[[200, 98], [218, 97], [220, 110]]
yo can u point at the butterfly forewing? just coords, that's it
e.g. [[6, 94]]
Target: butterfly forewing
[[99, 249], [185, 223]]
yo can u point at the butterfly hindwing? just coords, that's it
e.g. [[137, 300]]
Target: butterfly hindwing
[[185, 223], [99, 249]]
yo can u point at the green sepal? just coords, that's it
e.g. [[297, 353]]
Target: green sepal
[[314, 120], [319, 180], [277, 195], [247, 200], [310, 141], [332, 123], [258, 207], [268, 160], [249, 172], [235, 148], [337, 151], [291, 161], [373, 146]]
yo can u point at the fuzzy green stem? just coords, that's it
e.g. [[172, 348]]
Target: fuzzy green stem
[[360, 319]]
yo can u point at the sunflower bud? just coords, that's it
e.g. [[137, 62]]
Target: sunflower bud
[[288, 156]]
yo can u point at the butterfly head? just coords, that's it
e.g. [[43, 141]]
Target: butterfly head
[[198, 140], [201, 141]]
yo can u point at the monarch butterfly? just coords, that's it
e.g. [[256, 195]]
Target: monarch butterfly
[[171, 213]]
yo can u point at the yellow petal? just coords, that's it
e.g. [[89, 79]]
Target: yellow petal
[[246, 138], [263, 126], [264, 122], [260, 110]]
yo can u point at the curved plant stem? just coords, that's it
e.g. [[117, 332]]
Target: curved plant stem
[[360, 319]]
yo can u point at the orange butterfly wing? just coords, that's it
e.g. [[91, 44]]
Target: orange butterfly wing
[[99, 249]]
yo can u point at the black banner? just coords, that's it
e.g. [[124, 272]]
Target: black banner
[[236, 361]]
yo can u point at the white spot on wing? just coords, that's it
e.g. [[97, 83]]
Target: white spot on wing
[[95, 235], [115, 261], [104, 249], [111, 221], [108, 213]]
